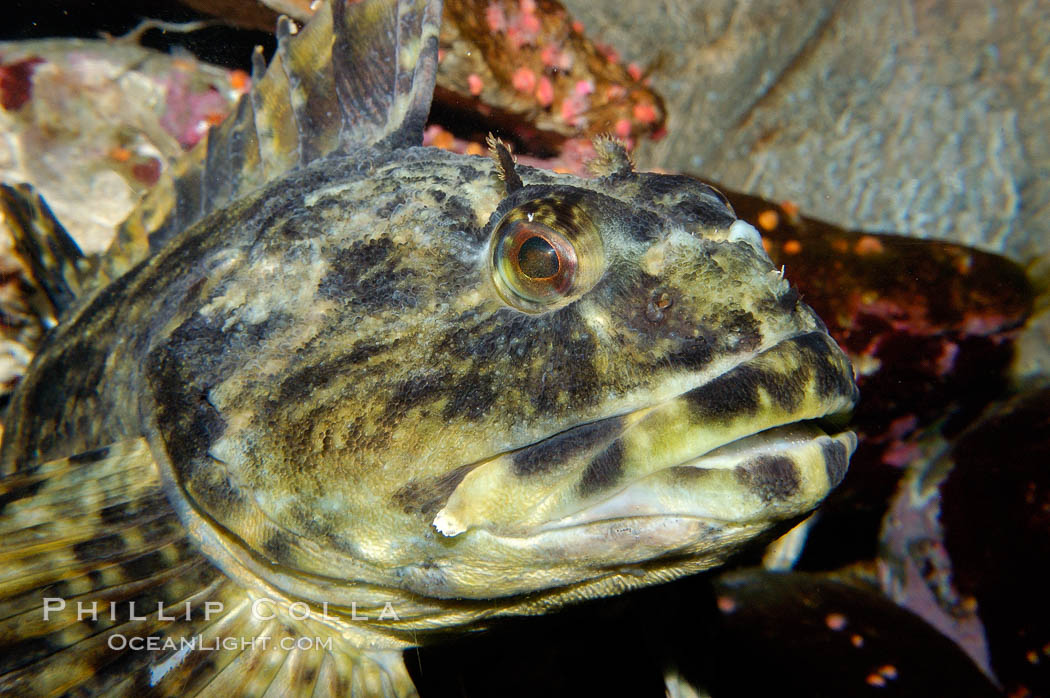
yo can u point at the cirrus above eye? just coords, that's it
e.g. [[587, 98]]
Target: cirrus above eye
[[536, 263]]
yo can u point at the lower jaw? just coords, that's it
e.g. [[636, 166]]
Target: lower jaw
[[675, 521], [773, 475]]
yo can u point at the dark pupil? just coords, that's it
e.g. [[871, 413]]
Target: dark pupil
[[537, 259]]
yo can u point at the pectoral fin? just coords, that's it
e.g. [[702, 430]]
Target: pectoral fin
[[102, 592]]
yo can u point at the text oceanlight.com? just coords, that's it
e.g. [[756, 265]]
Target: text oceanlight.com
[[197, 643]]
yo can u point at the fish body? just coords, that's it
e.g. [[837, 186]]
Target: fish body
[[338, 390]]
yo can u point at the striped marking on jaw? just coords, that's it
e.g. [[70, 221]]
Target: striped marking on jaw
[[800, 379]]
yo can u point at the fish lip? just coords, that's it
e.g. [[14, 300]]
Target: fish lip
[[797, 379], [833, 421], [808, 432]]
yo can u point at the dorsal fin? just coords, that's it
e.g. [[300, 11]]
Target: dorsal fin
[[55, 263], [356, 75]]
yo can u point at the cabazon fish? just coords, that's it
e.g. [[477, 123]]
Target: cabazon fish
[[332, 391]]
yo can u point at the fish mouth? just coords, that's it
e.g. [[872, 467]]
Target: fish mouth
[[770, 475], [757, 444]]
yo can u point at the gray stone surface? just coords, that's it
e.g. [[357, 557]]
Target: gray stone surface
[[923, 118]]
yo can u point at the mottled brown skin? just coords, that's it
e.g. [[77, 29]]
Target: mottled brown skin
[[321, 364], [329, 393]]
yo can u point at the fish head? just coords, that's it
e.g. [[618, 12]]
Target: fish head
[[421, 380]]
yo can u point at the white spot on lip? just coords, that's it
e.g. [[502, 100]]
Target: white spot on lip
[[447, 525]]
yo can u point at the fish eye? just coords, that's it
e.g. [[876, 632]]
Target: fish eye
[[537, 258], [535, 263], [546, 252]]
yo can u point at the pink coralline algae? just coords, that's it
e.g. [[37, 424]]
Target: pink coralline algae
[[190, 113]]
